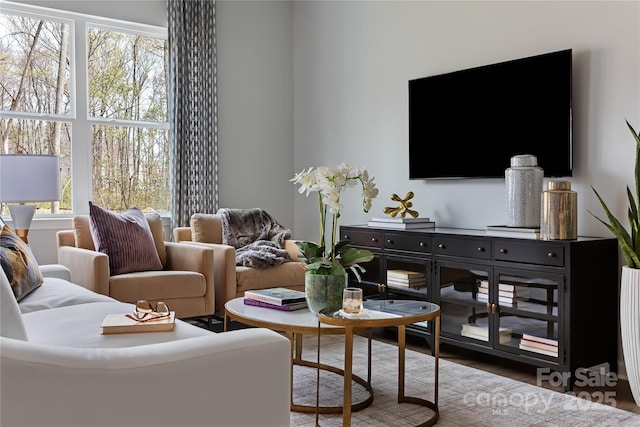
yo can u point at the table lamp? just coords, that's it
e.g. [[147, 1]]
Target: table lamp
[[28, 178]]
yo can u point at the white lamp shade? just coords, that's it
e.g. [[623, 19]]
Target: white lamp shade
[[29, 178]]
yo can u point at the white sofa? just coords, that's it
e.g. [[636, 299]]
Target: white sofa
[[65, 373]]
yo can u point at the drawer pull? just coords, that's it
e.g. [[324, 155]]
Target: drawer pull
[[440, 245], [422, 244], [480, 249], [551, 254], [503, 251], [374, 240], [346, 237], [389, 242]]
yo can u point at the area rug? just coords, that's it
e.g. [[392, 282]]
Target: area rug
[[467, 396]]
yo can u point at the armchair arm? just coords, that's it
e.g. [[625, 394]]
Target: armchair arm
[[293, 249], [224, 272], [181, 257], [182, 234], [165, 384], [89, 269]]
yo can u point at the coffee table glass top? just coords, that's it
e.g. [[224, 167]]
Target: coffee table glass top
[[396, 311]]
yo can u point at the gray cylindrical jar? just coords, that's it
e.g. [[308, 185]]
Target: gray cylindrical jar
[[559, 215], [523, 185]]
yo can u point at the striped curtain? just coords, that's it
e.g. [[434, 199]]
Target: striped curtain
[[193, 108]]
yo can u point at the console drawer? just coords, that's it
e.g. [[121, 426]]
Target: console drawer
[[369, 238], [530, 253], [407, 242], [470, 248]]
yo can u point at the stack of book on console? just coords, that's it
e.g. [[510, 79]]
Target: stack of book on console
[[276, 298], [405, 279], [518, 232], [480, 332], [401, 223], [507, 294], [538, 344]]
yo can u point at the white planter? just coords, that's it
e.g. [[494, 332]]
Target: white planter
[[630, 327]]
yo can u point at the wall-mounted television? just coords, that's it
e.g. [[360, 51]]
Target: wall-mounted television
[[469, 123]]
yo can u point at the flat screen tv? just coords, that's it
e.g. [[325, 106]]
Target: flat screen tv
[[469, 123]]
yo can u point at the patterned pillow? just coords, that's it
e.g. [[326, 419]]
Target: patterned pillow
[[18, 263], [126, 238]]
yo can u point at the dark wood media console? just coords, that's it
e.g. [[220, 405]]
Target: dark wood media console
[[552, 304]]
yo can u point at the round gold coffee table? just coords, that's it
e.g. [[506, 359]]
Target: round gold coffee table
[[296, 324], [386, 313]]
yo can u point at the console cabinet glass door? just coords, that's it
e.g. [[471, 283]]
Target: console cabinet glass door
[[529, 304], [407, 277], [371, 278], [464, 314]]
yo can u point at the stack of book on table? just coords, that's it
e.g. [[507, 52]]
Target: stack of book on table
[[519, 232], [126, 324], [276, 298], [507, 294], [481, 332], [405, 279], [401, 223], [539, 344]]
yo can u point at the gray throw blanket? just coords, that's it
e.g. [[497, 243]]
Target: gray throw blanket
[[256, 235]]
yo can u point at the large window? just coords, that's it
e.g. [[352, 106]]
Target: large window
[[93, 91]]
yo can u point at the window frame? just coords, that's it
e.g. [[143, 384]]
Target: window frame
[[78, 116]]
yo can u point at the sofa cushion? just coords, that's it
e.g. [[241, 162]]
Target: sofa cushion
[[152, 286], [206, 228], [78, 326], [126, 238], [11, 325], [288, 275], [56, 292], [18, 263]]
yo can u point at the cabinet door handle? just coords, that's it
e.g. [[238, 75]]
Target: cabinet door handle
[[551, 254], [488, 308], [502, 251], [480, 249], [422, 244], [494, 308], [440, 245]]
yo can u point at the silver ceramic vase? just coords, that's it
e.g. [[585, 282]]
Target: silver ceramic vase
[[523, 185]]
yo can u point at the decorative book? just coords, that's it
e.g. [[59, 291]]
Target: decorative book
[[122, 324], [402, 225], [277, 296], [399, 220], [285, 307]]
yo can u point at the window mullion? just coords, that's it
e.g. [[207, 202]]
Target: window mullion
[[81, 139]]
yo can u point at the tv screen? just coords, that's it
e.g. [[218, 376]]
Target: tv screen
[[469, 123]]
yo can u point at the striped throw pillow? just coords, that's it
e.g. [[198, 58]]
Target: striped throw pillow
[[126, 238]]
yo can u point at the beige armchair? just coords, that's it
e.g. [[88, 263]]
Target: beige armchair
[[232, 280], [186, 282]]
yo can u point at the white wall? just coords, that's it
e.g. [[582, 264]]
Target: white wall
[[326, 82], [352, 61]]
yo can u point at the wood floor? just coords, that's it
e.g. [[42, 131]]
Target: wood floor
[[618, 395]]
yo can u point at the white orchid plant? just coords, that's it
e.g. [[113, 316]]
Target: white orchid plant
[[329, 184]]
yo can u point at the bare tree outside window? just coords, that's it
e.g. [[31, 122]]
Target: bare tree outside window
[[127, 82], [125, 121], [35, 79]]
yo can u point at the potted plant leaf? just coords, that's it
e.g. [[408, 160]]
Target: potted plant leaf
[[629, 242]]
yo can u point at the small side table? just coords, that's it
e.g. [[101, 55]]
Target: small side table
[[379, 314]]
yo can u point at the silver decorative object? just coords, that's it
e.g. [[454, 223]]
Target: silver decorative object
[[559, 215], [523, 184]]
